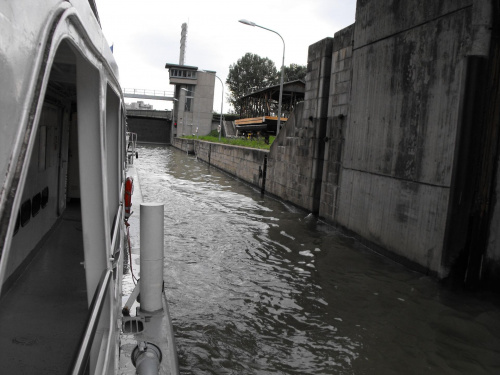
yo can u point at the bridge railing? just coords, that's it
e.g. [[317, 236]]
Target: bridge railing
[[148, 92], [152, 113]]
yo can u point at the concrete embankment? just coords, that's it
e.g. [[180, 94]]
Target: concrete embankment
[[245, 163]]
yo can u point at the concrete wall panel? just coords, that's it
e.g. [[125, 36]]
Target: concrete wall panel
[[405, 102], [406, 218], [338, 110], [378, 19], [401, 130], [292, 161]]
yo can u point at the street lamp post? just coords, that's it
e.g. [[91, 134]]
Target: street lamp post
[[221, 103], [250, 23]]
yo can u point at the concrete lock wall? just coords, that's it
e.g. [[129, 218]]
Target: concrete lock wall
[[295, 165], [338, 112], [179, 143], [186, 145], [290, 168], [401, 129], [242, 162], [376, 145]]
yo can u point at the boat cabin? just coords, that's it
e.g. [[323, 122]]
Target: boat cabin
[[62, 157]]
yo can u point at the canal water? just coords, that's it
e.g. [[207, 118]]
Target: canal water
[[257, 286]]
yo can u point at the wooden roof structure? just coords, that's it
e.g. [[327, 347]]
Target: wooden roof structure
[[264, 102], [259, 109]]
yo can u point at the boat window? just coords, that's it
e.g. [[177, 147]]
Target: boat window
[[45, 196], [112, 149], [25, 212], [35, 204]]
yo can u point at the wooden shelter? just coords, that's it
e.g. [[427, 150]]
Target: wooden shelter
[[259, 109]]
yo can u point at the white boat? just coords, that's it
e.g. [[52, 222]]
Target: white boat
[[63, 164]]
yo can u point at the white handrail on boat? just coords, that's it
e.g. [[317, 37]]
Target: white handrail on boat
[[81, 360], [99, 298], [118, 221], [131, 147]]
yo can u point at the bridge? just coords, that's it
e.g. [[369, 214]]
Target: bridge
[[149, 94]]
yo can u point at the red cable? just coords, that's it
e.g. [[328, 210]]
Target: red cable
[[134, 279]]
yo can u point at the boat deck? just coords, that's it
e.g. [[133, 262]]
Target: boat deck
[[43, 315], [157, 326]]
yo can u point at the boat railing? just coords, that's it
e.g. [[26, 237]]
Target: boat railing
[[115, 253], [81, 360], [131, 146]]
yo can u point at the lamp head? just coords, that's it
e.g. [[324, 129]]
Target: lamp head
[[246, 22]]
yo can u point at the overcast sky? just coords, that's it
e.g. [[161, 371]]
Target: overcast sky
[[146, 34]]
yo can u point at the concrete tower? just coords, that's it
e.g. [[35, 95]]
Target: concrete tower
[[184, 28]]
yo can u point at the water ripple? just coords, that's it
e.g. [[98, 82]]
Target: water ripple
[[257, 286]]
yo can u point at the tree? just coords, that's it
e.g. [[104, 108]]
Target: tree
[[294, 72], [248, 74]]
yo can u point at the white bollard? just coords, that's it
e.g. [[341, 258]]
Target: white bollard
[[151, 256]]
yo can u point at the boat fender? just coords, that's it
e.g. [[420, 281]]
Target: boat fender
[[146, 357], [129, 190]]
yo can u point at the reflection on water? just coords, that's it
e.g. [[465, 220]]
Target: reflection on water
[[256, 286]]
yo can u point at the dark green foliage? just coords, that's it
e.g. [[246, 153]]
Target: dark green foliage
[[252, 72], [248, 74], [214, 133], [294, 72]]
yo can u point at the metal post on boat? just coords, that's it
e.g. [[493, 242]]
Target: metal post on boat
[[151, 239]]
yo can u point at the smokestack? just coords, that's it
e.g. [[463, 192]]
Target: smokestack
[[184, 28]]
